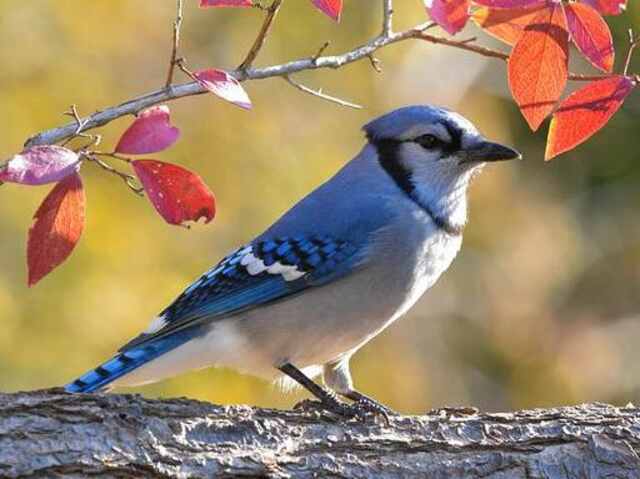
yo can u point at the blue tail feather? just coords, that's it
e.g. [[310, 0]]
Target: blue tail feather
[[128, 360]]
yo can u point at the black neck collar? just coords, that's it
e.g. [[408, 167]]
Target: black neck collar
[[389, 158]]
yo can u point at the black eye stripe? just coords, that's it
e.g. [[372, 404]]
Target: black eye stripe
[[456, 137]]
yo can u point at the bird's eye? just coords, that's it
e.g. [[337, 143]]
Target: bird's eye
[[427, 141]]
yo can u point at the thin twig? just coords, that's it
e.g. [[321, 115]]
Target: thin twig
[[387, 18], [128, 179], [272, 11], [176, 43], [80, 123], [469, 40], [464, 45], [633, 43], [321, 50], [375, 63], [320, 94], [492, 53], [111, 154], [135, 105]]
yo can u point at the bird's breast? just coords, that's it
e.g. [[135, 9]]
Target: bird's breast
[[414, 254]]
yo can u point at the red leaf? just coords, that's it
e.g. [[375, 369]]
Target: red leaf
[[451, 15], [39, 165], [225, 3], [222, 84], [608, 7], [538, 65], [149, 133], [584, 112], [509, 3], [506, 24], [58, 225], [176, 193], [591, 35], [332, 8]]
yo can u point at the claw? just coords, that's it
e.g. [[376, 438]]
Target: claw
[[336, 407], [368, 405]]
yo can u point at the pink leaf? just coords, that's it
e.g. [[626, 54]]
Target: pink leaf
[[58, 226], [222, 84], [149, 133], [39, 165], [608, 7], [179, 195], [332, 8], [509, 3], [591, 35], [225, 3], [451, 15]]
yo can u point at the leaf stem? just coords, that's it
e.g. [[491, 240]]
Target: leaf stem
[[128, 179]]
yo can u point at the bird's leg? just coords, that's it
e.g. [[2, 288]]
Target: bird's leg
[[327, 398], [338, 378]]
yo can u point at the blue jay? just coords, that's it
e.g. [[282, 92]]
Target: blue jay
[[334, 271]]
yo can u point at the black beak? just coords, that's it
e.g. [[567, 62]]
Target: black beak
[[487, 151]]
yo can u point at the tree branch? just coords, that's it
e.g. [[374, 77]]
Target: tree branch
[[387, 17], [367, 50], [50, 433]]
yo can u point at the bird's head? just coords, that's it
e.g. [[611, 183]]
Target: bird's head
[[432, 153]]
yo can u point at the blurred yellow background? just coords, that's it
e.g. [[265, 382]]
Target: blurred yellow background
[[541, 307]]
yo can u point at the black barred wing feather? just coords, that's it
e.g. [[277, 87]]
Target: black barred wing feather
[[260, 273]]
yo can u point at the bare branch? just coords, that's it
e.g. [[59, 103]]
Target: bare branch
[[633, 43], [321, 50], [464, 45], [176, 42], [131, 107], [272, 11], [387, 21], [375, 63], [95, 139], [320, 94]]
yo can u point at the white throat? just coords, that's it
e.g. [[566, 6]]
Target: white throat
[[444, 194]]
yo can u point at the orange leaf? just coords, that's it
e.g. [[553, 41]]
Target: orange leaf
[[506, 24], [58, 225], [584, 112], [591, 35], [538, 65]]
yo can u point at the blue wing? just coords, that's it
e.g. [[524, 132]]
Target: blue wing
[[263, 272]]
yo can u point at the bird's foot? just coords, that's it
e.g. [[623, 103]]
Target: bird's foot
[[333, 406], [449, 411], [371, 406], [364, 409]]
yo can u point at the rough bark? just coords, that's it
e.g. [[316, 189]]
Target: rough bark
[[50, 433]]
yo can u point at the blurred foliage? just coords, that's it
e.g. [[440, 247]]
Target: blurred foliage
[[541, 307]]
